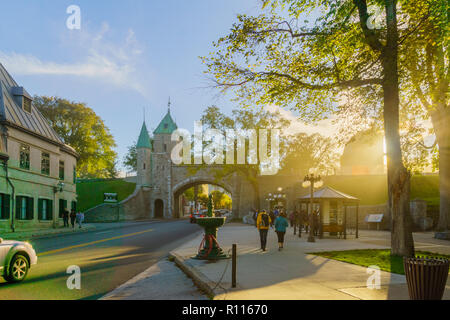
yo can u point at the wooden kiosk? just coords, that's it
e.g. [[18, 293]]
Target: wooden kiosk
[[332, 206]]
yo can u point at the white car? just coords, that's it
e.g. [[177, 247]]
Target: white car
[[16, 258]]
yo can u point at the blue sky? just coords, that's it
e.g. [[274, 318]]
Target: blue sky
[[126, 56]]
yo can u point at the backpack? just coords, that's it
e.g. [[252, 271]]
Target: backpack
[[264, 220]]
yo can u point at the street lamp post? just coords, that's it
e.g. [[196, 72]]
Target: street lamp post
[[312, 181]]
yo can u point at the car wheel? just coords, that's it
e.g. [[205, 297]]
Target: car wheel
[[18, 269]]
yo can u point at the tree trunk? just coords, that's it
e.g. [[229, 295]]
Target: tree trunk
[[402, 243], [441, 120]]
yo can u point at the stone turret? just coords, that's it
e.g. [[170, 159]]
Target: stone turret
[[144, 151], [162, 135], [162, 164]]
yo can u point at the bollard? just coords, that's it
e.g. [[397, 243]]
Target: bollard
[[233, 267]]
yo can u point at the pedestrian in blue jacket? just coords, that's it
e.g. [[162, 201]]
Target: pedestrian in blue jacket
[[281, 223]]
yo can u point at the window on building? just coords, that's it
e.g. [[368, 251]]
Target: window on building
[[165, 147], [45, 209], [61, 170], [144, 165], [74, 174], [62, 207], [45, 163], [4, 206], [24, 156], [24, 208], [27, 104], [166, 125]]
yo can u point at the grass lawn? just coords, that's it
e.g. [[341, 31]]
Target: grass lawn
[[368, 257], [90, 194]]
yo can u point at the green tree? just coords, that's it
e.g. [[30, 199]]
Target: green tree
[[426, 83], [303, 152], [218, 198], [243, 119], [130, 159], [203, 200], [189, 194], [277, 58], [83, 130], [221, 200]]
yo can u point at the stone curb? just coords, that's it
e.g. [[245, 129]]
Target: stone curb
[[202, 282]]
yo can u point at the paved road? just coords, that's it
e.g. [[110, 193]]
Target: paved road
[[106, 258]]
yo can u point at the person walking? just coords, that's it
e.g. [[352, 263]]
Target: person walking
[[263, 223], [305, 221], [272, 217], [80, 218], [73, 216], [292, 218], [255, 216], [66, 218], [316, 223], [276, 213], [281, 224]]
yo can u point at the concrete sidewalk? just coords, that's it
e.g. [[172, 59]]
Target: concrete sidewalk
[[289, 274], [152, 284], [61, 231]]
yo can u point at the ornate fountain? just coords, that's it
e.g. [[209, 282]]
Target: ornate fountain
[[209, 248]]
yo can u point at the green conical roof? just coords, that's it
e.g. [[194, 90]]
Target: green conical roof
[[167, 125], [144, 138]]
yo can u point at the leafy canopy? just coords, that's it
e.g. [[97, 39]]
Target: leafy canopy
[[83, 130]]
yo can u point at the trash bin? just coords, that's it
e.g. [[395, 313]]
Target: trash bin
[[426, 277]]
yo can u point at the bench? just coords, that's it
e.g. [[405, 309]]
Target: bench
[[333, 228]]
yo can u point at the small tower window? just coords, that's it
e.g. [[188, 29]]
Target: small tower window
[[166, 125], [165, 147], [144, 165]]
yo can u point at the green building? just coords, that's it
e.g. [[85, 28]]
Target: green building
[[37, 170]]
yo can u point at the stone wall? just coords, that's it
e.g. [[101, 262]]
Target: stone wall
[[135, 207], [418, 209], [105, 212]]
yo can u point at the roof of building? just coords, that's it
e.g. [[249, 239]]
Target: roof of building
[[329, 193], [12, 113], [167, 125], [144, 140]]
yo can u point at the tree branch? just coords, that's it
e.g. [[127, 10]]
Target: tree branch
[[353, 83], [288, 30], [370, 36]]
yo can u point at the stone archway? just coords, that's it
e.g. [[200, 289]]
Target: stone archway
[[159, 209], [182, 186]]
